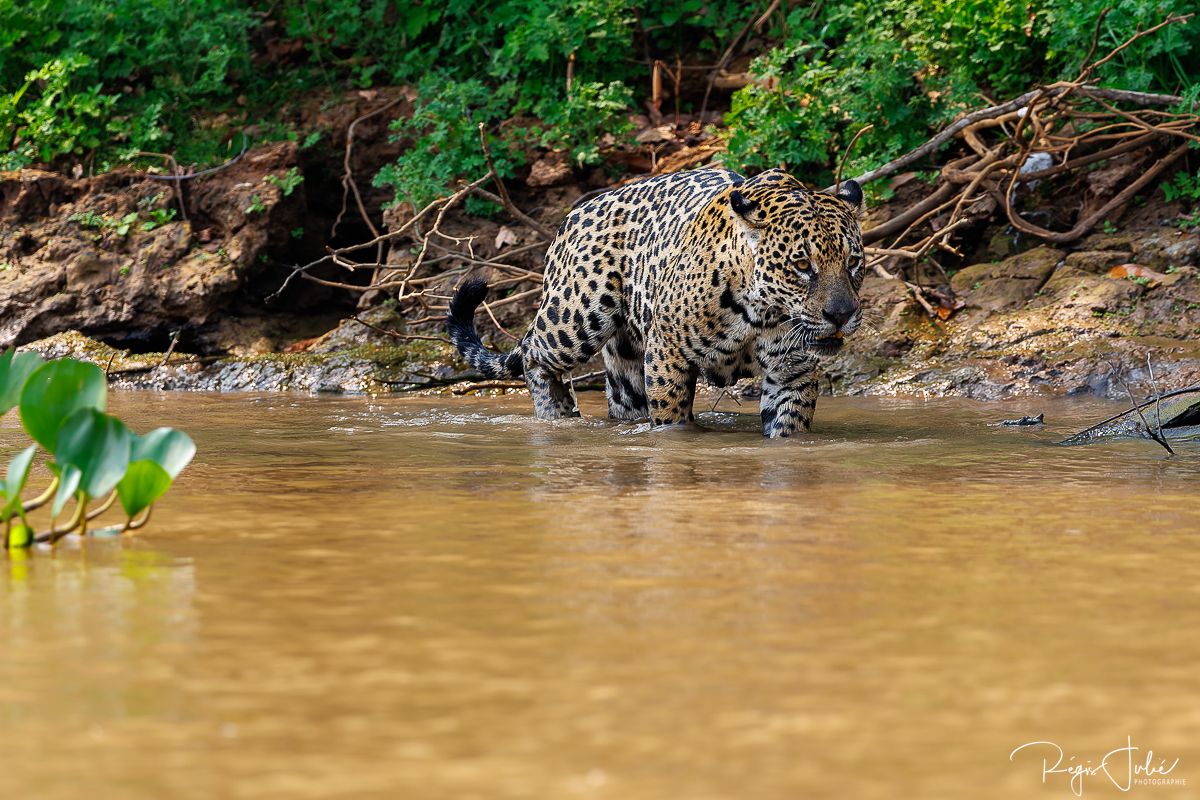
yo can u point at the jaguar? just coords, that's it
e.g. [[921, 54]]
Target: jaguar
[[699, 274]]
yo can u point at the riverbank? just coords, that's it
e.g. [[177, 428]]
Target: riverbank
[[190, 285], [1042, 322]]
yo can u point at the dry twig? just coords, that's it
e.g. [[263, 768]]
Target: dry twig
[[348, 185], [1155, 433]]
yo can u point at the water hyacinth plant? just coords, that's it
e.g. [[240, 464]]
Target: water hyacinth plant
[[94, 456]]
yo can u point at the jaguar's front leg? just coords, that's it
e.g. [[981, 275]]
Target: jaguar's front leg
[[789, 390], [670, 384], [787, 407]]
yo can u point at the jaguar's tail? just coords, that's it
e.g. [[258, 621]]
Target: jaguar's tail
[[460, 324]]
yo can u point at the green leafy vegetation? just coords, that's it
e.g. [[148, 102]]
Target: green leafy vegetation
[[158, 218], [909, 67], [114, 78], [104, 223], [97, 82], [121, 226], [288, 183], [590, 112], [1184, 187], [444, 136], [93, 454]]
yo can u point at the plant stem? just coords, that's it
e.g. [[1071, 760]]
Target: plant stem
[[133, 525], [77, 519], [105, 506], [42, 498]]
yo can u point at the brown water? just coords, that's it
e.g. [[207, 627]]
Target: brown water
[[441, 598]]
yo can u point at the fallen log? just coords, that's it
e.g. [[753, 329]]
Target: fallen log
[[1175, 415]]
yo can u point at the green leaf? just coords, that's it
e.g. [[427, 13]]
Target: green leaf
[[67, 485], [169, 448], [55, 391], [143, 484], [98, 445], [15, 369], [14, 481]]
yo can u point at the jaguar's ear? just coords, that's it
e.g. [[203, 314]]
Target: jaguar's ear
[[743, 207], [852, 193], [747, 216], [746, 210]]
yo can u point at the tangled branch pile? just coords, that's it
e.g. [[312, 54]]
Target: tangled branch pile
[[998, 155], [1050, 133]]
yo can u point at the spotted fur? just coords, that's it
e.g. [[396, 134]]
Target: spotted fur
[[689, 275]]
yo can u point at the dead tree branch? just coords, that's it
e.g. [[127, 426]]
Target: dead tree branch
[[502, 190]]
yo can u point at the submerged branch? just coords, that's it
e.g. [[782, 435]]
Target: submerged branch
[[1155, 434]]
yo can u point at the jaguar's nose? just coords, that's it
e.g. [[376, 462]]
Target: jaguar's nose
[[839, 313]]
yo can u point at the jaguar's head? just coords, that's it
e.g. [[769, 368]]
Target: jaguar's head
[[808, 255]]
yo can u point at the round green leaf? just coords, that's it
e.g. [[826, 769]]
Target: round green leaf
[[15, 369], [144, 483], [98, 444], [170, 449], [14, 481], [57, 390]]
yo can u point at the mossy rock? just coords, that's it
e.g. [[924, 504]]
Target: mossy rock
[[1009, 284], [1097, 262], [1070, 287]]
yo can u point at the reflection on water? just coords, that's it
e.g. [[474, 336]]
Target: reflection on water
[[445, 599]]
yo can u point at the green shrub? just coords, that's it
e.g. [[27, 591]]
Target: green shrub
[[1184, 187], [288, 183], [113, 76], [540, 36], [590, 113], [811, 98], [910, 66], [1168, 61], [60, 117], [530, 45], [107, 79], [444, 136]]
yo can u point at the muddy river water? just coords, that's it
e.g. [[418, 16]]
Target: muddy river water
[[441, 598]]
